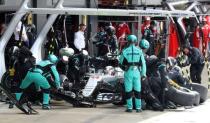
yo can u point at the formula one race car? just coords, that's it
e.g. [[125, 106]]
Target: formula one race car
[[98, 85]]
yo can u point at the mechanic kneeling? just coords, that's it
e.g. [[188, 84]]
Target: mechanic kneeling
[[133, 63], [152, 102], [41, 75], [174, 72]]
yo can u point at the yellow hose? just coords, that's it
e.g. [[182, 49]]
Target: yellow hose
[[11, 72], [171, 82]]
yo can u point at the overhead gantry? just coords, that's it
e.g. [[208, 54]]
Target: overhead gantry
[[60, 9]]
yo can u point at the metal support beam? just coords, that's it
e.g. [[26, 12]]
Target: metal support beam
[[112, 12], [167, 24], [139, 34], [180, 2], [180, 19], [37, 47]]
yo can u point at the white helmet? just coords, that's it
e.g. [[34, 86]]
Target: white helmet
[[66, 52]]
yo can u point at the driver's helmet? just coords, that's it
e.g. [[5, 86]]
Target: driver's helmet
[[66, 52]]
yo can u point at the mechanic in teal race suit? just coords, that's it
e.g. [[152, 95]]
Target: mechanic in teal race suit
[[41, 74], [133, 63]]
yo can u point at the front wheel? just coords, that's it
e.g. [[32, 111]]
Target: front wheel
[[122, 93]]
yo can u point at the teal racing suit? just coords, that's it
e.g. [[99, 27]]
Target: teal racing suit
[[132, 58], [41, 75]]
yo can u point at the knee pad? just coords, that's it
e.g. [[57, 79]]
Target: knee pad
[[128, 95], [47, 91], [137, 94]]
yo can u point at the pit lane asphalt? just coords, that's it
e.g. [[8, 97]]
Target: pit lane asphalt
[[65, 113]]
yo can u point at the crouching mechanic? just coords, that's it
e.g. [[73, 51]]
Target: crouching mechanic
[[133, 63], [174, 72], [43, 75]]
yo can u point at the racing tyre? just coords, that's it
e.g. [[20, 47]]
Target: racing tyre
[[197, 98], [123, 99], [202, 90], [181, 97]]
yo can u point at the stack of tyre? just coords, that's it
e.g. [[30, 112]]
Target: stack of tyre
[[186, 95], [193, 94]]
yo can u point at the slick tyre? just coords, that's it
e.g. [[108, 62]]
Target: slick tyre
[[180, 97], [202, 90], [197, 98]]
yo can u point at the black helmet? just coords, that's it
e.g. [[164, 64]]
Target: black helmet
[[110, 30]]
